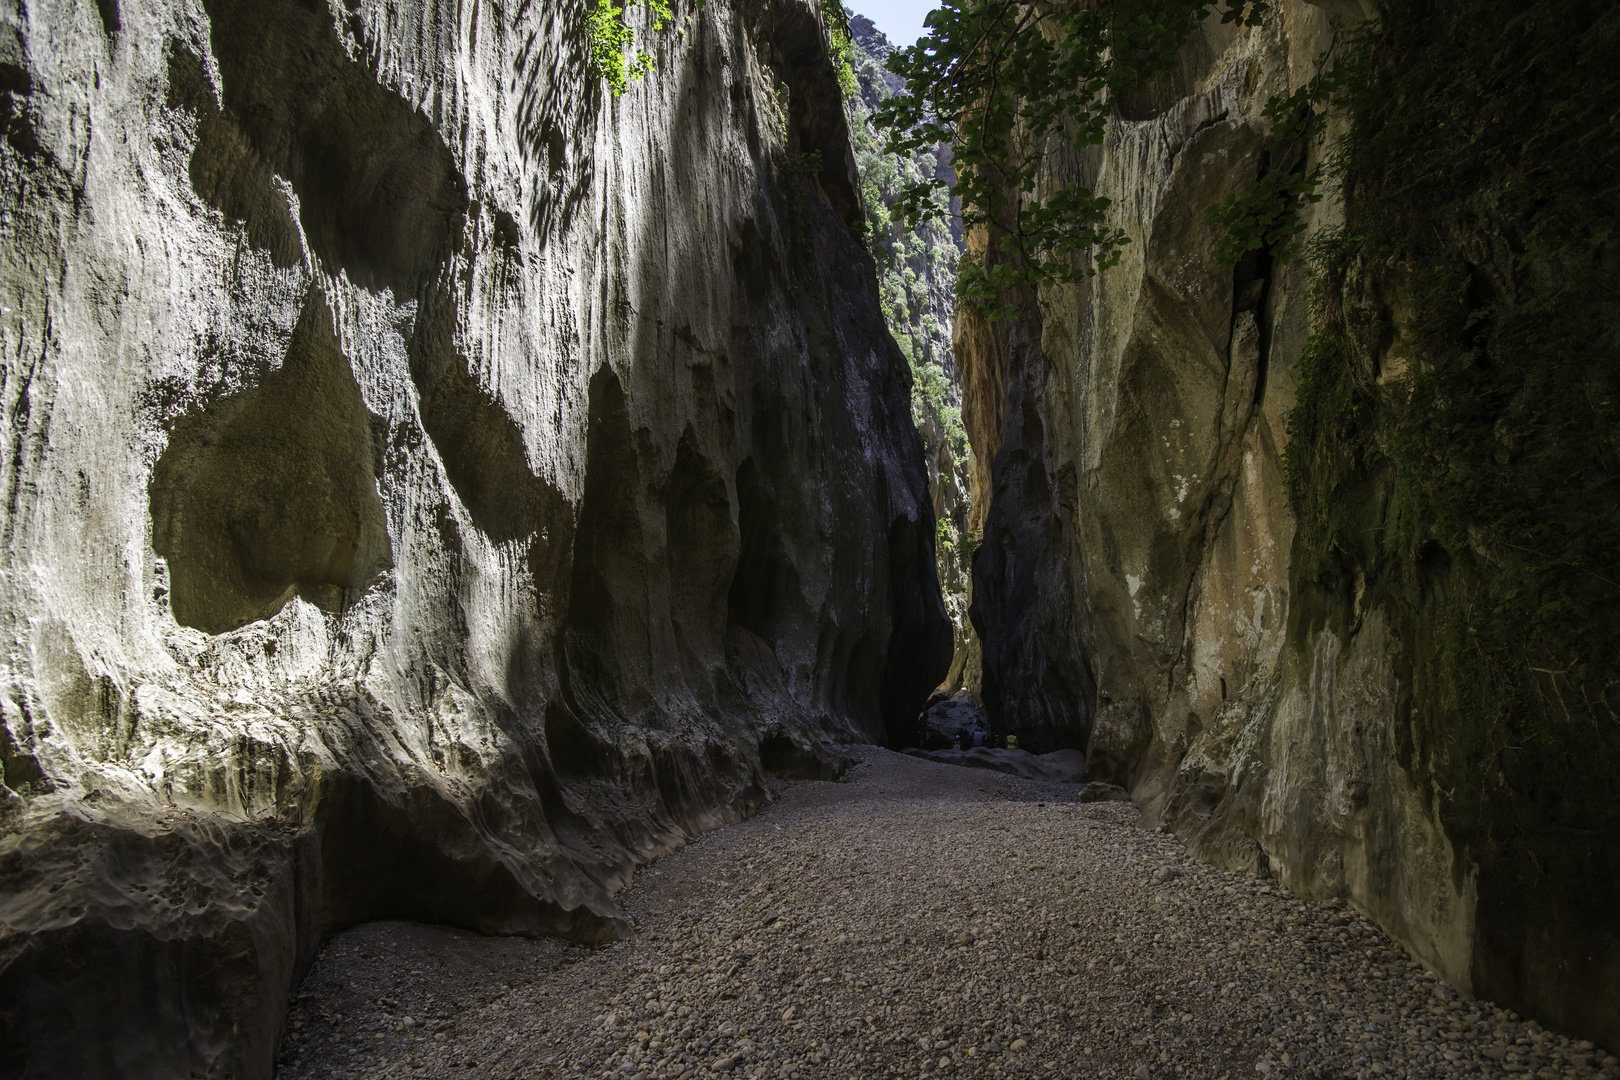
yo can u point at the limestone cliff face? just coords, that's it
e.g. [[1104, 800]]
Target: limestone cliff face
[[433, 485], [917, 286], [1136, 589]]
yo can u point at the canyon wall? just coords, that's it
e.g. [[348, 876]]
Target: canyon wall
[[917, 269], [1143, 590], [433, 485]]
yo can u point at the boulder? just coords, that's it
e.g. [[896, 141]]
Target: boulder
[[1060, 766], [949, 717]]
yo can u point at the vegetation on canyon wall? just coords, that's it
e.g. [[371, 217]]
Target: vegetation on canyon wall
[[917, 273], [1008, 85], [916, 266], [842, 51], [615, 59], [1455, 449]]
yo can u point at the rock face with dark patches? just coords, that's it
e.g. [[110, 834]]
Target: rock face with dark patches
[[430, 483], [952, 719], [1140, 592], [273, 492]]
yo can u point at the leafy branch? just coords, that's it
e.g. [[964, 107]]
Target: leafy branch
[[614, 56], [1266, 214]]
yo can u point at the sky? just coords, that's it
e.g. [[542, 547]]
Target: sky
[[900, 20]]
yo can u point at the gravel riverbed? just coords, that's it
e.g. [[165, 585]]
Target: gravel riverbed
[[917, 919]]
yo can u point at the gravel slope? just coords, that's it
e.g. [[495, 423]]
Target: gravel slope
[[920, 918]]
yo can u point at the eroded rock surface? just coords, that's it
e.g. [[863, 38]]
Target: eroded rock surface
[[952, 719], [1138, 594], [429, 481]]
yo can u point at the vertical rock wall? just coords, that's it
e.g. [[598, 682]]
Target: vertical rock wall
[[430, 484], [917, 287], [1136, 590]]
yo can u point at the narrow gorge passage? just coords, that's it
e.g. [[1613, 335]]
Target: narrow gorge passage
[[475, 468], [915, 919]]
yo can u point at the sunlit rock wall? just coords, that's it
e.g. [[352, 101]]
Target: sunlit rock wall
[[432, 485]]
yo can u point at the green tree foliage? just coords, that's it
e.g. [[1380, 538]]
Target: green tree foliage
[[1008, 84], [614, 55]]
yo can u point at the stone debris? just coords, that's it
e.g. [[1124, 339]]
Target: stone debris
[[918, 920]]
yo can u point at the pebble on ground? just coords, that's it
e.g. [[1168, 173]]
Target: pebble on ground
[[918, 920]]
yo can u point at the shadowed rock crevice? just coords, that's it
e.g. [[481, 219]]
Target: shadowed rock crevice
[[19, 769], [609, 638], [1149, 98], [226, 171], [417, 856], [765, 583], [920, 642], [110, 21], [15, 89], [197, 924], [272, 492], [817, 123], [1023, 597], [765, 580], [574, 752], [703, 545], [192, 925], [379, 193], [479, 443], [780, 756]]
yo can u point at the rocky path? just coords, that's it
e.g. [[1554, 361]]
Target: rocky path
[[919, 919]]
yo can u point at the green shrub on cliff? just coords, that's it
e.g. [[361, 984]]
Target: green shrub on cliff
[[614, 56], [843, 46]]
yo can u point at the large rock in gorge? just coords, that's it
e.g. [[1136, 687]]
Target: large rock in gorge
[[430, 479], [1141, 593]]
